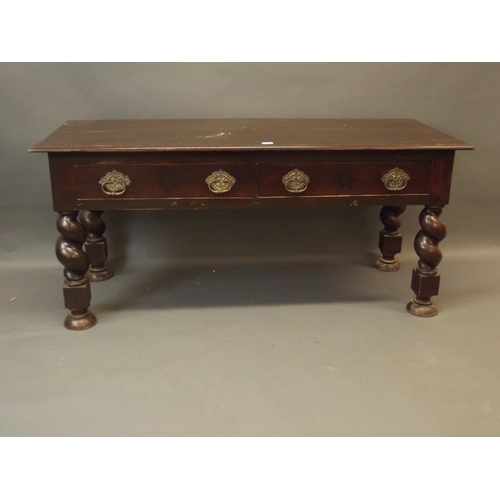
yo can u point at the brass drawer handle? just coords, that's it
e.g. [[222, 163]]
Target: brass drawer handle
[[296, 181], [220, 182], [114, 183], [396, 179]]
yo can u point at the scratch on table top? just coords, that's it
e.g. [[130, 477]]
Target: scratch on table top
[[220, 134]]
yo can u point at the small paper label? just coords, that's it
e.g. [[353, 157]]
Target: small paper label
[[268, 142]]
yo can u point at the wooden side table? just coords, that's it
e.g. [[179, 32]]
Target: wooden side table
[[98, 165]]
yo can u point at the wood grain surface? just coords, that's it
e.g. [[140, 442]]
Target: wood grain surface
[[248, 134]]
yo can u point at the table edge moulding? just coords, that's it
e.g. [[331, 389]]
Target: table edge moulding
[[195, 164]]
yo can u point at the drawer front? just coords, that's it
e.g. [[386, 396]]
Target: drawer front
[[330, 179], [165, 181]]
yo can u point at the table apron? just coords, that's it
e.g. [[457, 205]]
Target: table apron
[[162, 185]]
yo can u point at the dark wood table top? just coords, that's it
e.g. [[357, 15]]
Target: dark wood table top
[[247, 134]]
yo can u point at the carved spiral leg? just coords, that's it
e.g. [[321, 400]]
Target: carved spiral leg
[[425, 279], [390, 239], [76, 289], [96, 245]]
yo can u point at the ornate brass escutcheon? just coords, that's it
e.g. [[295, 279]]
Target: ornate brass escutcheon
[[114, 183], [396, 179], [220, 182], [296, 181]]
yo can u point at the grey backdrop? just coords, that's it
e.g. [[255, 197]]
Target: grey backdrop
[[265, 248]]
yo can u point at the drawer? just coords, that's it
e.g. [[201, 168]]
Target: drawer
[[165, 181], [324, 179]]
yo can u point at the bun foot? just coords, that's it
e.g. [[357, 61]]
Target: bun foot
[[387, 266], [425, 308], [96, 276], [80, 322]]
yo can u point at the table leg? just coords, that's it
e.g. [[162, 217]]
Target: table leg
[[69, 251], [96, 245], [425, 279], [390, 239]]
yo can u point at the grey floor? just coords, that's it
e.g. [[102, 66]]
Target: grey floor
[[290, 346]]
